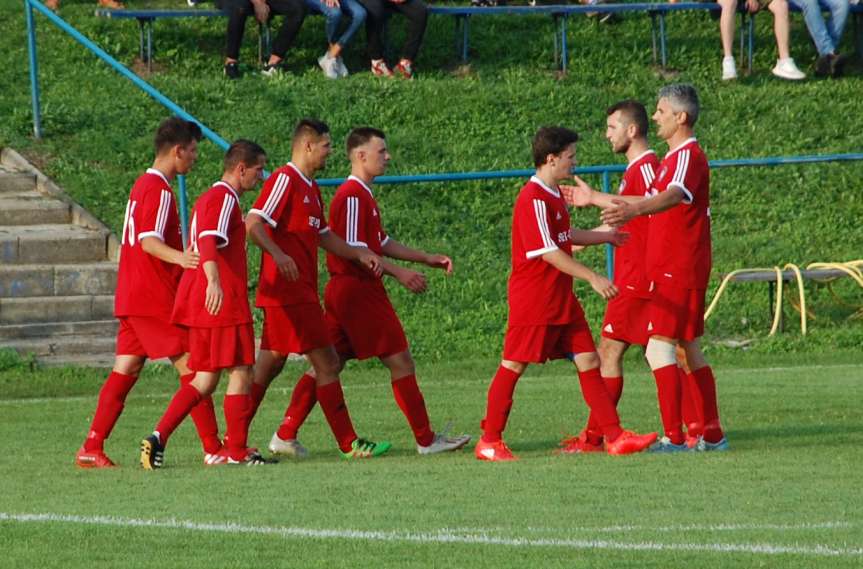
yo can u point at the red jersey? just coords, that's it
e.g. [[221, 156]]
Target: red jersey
[[678, 244], [217, 215], [146, 285], [630, 269], [291, 205], [539, 294], [355, 217]]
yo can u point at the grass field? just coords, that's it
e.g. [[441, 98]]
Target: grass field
[[787, 495]]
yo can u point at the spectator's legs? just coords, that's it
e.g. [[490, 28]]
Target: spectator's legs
[[815, 23], [358, 15], [781, 27], [294, 13], [416, 13], [838, 16], [238, 11], [332, 15], [376, 13], [726, 34]]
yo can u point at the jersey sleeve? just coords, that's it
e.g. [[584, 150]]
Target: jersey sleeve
[[323, 227], [214, 218], [534, 226], [273, 199], [646, 175], [686, 175], [152, 214], [356, 213]]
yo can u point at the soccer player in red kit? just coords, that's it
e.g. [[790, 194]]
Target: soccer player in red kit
[[213, 304], [545, 318], [151, 262], [625, 321], [287, 222], [678, 264], [361, 320]]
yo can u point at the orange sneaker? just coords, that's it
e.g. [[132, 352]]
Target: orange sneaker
[[630, 443], [493, 452], [579, 444], [404, 69], [381, 69], [93, 459]]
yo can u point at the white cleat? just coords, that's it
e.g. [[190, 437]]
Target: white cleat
[[442, 442], [290, 448]]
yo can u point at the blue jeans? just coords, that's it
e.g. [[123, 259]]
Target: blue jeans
[[826, 35], [333, 15]]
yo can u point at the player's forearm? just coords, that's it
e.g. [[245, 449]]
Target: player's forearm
[[334, 244], [591, 237], [396, 250], [259, 236], [159, 249], [660, 202], [391, 269], [211, 271], [566, 264]]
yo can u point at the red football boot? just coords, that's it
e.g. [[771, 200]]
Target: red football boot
[[579, 444], [493, 452], [630, 443], [93, 459]]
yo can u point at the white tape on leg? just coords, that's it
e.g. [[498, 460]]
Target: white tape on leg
[[660, 354]]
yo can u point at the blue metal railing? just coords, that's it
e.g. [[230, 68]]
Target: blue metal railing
[[603, 170]]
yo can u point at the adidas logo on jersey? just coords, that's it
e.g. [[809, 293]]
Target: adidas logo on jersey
[[558, 216], [622, 186], [374, 213], [306, 199], [650, 326], [608, 328]]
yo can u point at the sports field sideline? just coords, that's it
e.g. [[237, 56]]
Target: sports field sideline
[[788, 495]]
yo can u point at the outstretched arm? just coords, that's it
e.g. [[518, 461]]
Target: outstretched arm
[[603, 234], [622, 211], [394, 249], [580, 194], [566, 264]]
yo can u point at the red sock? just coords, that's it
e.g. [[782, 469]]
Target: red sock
[[181, 404], [601, 403], [710, 405], [238, 409], [332, 401], [257, 393], [303, 400], [690, 404], [499, 403], [204, 416], [410, 400], [668, 393], [614, 386], [112, 399]]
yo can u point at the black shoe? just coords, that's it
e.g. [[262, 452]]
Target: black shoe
[[837, 64], [232, 70], [823, 65], [152, 453]]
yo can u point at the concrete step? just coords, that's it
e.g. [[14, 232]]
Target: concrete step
[[31, 208], [17, 281], [56, 309], [51, 244], [104, 360], [68, 346], [46, 330], [16, 182]]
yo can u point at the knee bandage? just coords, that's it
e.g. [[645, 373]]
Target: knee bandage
[[660, 354]]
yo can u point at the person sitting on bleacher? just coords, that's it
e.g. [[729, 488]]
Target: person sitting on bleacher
[[113, 4], [416, 13], [826, 35], [331, 61], [785, 66], [294, 12]]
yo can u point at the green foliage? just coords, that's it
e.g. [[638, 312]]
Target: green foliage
[[479, 117]]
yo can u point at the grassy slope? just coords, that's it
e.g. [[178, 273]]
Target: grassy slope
[[795, 434], [98, 136]]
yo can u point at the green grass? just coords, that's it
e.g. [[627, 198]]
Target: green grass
[[790, 481]]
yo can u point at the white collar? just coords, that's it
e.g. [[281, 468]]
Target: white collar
[[157, 173], [303, 176], [640, 156], [227, 185], [363, 184], [536, 180], [682, 144]]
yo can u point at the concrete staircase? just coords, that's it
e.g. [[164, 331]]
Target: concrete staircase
[[58, 270]]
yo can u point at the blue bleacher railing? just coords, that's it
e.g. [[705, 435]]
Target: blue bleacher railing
[[604, 171]]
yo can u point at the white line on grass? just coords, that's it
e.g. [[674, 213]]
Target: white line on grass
[[437, 538], [349, 387], [697, 527]]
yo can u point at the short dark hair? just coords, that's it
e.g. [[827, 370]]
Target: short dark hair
[[174, 131], [309, 127], [243, 151], [361, 135], [632, 112], [551, 140]]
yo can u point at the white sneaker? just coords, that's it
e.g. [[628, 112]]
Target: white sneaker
[[341, 68], [290, 448], [442, 442], [787, 69], [329, 65], [729, 69]]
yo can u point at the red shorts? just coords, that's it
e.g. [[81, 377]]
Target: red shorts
[[536, 344], [361, 320], [213, 349], [675, 312], [150, 337], [626, 319], [294, 329]]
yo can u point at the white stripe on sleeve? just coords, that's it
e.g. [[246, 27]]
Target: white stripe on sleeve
[[679, 178], [541, 221]]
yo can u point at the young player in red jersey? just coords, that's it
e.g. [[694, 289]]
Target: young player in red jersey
[[213, 304], [678, 264], [151, 262], [287, 222], [545, 319], [625, 321], [360, 318]]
